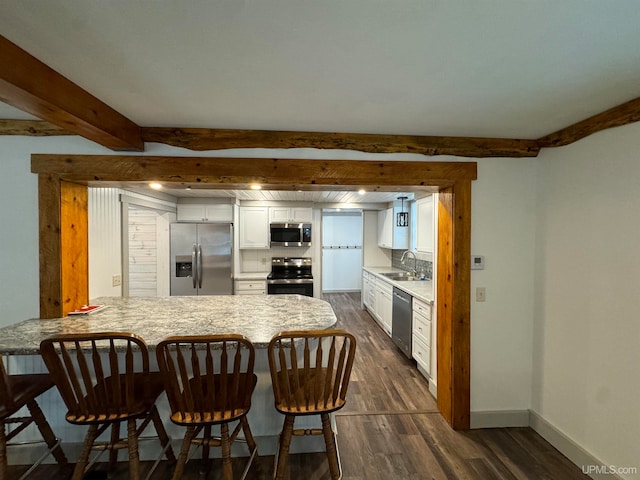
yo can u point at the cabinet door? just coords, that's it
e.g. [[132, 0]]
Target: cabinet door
[[254, 227], [290, 214], [385, 232], [302, 214], [424, 225], [279, 214], [218, 213], [387, 309], [189, 212], [365, 289], [195, 212]]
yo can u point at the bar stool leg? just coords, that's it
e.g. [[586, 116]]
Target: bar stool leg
[[3, 451], [330, 443], [115, 438], [81, 464], [46, 432], [283, 451], [134, 456], [248, 436], [184, 453], [227, 469], [165, 440]]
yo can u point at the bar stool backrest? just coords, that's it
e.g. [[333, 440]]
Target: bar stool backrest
[[310, 370], [7, 403], [98, 374], [208, 379]]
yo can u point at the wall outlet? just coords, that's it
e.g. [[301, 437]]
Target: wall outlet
[[481, 294], [116, 280]]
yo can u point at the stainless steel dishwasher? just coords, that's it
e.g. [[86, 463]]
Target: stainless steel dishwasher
[[401, 320]]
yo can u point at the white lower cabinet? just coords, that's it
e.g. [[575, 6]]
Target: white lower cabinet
[[251, 287], [422, 354], [366, 287], [421, 334], [377, 297], [384, 304]]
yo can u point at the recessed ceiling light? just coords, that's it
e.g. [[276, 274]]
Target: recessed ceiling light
[[255, 186], [362, 191], [155, 185]]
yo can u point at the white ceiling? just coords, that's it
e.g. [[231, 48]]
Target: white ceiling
[[497, 68], [482, 68]]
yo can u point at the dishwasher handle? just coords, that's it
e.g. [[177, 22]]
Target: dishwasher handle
[[404, 299]]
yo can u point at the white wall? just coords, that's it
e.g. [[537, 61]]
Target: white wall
[[586, 349], [19, 270], [372, 255], [503, 230]]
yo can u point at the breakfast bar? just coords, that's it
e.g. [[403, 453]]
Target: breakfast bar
[[258, 317]]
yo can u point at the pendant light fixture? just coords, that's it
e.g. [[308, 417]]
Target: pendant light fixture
[[402, 217]]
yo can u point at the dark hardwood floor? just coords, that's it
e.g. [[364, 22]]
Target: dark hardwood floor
[[390, 429]]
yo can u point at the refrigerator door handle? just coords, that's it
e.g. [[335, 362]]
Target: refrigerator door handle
[[199, 266], [194, 265]]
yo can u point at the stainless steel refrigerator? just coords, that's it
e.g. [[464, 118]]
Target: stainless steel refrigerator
[[201, 259]]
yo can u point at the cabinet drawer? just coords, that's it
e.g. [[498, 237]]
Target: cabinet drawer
[[422, 328], [422, 308], [384, 287], [422, 354], [251, 292], [250, 285]]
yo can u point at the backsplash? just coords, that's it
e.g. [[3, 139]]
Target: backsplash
[[422, 265]]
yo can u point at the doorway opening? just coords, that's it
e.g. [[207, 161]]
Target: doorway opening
[[342, 247]]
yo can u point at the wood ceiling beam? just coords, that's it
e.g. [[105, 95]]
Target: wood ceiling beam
[[201, 139], [31, 86], [240, 172], [31, 128], [628, 112]]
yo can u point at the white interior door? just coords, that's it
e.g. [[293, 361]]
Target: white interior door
[[341, 250]]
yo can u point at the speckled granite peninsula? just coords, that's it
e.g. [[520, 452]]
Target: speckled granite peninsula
[[258, 317]]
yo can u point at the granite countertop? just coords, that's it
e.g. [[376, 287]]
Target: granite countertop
[[258, 317], [420, 289]]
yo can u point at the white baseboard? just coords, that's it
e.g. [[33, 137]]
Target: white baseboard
[[589, 464], [500, 419], [433, 389]]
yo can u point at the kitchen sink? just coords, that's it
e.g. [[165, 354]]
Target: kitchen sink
[[401, 276]]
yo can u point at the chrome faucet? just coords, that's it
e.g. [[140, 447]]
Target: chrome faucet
[[415, 260]]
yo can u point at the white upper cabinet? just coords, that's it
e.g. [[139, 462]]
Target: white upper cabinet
[[195, 212], [290, 214], [425, 224], [390, 235], [254, 227]]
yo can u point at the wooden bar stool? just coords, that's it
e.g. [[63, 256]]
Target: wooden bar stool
[[310, 373], [17, 391], [209, 381], [104, 380]]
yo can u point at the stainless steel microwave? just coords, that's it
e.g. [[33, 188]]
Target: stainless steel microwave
[[290, 234]]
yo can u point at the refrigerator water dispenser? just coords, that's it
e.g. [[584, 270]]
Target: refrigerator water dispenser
[[184, 266]]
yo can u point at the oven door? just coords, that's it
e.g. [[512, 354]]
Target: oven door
[[290, 287]]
